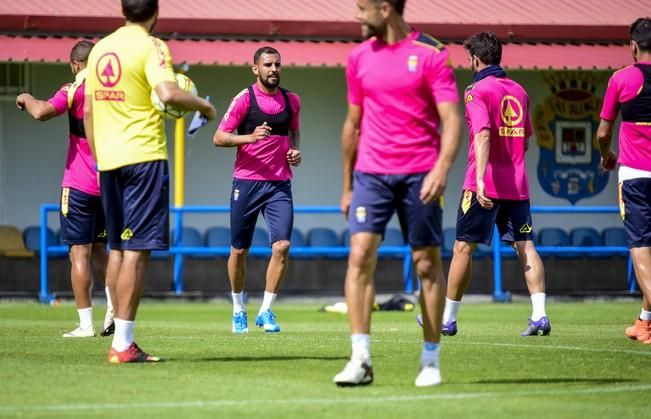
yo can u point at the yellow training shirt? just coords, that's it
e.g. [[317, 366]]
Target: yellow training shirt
[[123, 68]]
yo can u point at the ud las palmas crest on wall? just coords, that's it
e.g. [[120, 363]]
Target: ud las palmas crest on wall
[[566, 131]]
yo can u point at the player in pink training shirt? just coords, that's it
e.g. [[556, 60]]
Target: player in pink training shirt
[[83, 227], [401, 88], [629, 92], [265, 117], [495, 190]]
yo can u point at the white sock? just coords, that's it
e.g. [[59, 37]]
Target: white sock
[[361, 347], [645, 315], [109, 303], [267, 301], [238, 302], [123, 336], [450, 311], [538, 303], [85, 317], [430, 354]]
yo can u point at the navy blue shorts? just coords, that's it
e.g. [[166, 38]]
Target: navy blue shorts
[[82, 218], [635, 207], [136, 203], [273, 198], [475, 224], [377, 197]]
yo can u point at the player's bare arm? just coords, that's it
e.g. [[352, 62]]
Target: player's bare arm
[[294, 156], [605, 136], [349, 143], [88, 123], [482, 145], [171, 94], [436, 180], [41, 110], [230, 139]]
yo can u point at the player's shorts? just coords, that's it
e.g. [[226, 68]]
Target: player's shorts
[[475, 224], [271, 197], [377, 197], [635, 209], [136, 203], [81, 217]]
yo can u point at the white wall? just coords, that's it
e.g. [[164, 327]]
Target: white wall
[[33, 153]]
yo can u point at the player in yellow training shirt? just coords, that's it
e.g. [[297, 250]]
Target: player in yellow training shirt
[[128, 138]]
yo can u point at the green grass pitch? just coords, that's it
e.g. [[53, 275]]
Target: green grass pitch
[[585, 369]]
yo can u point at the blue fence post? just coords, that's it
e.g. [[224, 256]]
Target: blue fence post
[[499, 295], [44, 294], [178, 257]]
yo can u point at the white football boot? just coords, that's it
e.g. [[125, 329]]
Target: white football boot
[[88, 332], [355, 373], [429, 375]]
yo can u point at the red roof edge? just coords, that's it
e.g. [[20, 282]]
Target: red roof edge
[[319, 29]]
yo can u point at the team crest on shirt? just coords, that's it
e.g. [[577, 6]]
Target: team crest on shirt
[[412, 63], [565, 125], [360, 215]]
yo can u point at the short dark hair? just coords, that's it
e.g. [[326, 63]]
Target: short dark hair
[[485, 46], [641, 33], [264, 50], [398, 5], [139, 10], [80, 51]]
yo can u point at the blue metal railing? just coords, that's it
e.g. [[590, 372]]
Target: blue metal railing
[[408, 277]]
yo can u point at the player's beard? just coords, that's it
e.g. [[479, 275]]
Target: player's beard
[[369, 31], [270, 85]]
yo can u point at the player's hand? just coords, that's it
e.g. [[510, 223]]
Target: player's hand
[[609, 162], [346, 199], [484, 202], [294, 157], [260, 133], [433, 185], [20, 101], [209, 112]]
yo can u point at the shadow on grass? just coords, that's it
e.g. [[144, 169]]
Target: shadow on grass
[[568, 380], [263, 358]]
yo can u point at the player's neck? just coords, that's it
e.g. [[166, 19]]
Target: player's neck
[[397, 30], [265, 89], [644, 57]]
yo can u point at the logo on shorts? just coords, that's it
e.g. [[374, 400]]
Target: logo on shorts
[[103, 234], [466, 201], [236, 194], [525, 229], [412, 63], [65, 196], [126, 234], [360, 214]]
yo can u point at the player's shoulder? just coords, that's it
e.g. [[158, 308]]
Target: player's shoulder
[[65, 88], [428, 42], [293, 97], [242, 95], [625, 72]]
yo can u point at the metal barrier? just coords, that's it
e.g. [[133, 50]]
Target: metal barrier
[[408, 277]]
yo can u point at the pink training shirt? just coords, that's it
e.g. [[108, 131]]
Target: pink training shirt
[[502, 106], [634, 138], [398, 87], [266, 159], [80, 165]]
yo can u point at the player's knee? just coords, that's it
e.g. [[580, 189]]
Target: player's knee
[[464, 248], [239, 253], [361, 256], [280, 248]]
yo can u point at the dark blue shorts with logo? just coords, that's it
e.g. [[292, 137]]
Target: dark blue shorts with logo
[[271, 197], [136, 203], [81, 217], [377, 197], [475, 224], [635, 207]]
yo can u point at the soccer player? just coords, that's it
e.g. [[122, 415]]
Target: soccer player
[[629, 92], [128, 136], [400, 88], [82, 219], [496, 189], [265, 117]]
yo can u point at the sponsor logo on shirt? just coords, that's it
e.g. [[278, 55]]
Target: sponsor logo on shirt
[[108, 69], [511, 114], [111, 95], [360, 214]]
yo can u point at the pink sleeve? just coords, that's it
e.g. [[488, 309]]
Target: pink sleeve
[[440, 76], [610, 107], [295, 103], [477, 112], [236, 112], [60, 99], [354, 87]]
